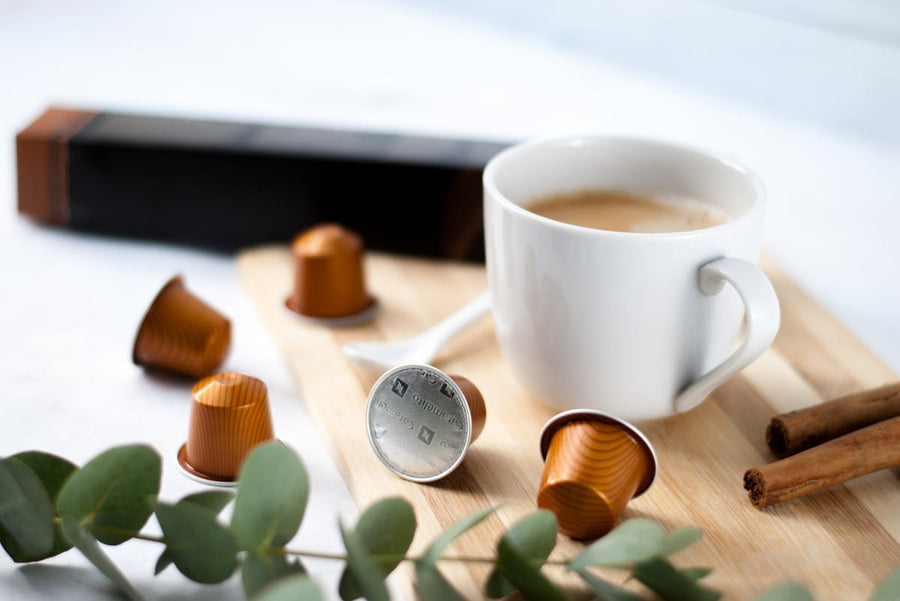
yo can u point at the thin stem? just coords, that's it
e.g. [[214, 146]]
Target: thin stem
[[120, 532], [129, 533], [491, 560], [314, 554], [456, 558]]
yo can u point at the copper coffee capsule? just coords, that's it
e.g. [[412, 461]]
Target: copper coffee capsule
[[594, 464], [229, 416], [421, 421], [181, 333], [329, 283]]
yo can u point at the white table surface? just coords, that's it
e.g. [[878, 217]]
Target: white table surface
[[70, 303]]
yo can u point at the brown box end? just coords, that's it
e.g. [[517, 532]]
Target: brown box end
[[42, 164]]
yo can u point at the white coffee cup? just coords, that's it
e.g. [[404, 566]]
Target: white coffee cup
[[635, 324]]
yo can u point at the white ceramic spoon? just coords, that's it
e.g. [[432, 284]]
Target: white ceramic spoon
[[382, 356]]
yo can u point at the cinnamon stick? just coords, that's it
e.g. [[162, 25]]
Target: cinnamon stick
[[863, 451], [793, 432]]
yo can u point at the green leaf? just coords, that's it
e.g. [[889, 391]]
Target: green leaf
[[26, 515], [525, 576], [201, 548], [294, 588], [214, 500], [114, 493], [164, 561], [670, 584], [386, 530], [497, 586], [52, 471], [533, 537], [271, 498], [633, 541], [88, 546], [366, 572], [259, 570], [454, 531], [889, 589], [679, 539], [430, 582], [433, 586], [606, 591], [696, 573], [787, 591]]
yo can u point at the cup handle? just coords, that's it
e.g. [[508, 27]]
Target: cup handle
[[762, 313]]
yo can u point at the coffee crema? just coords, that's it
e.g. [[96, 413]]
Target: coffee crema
[[619, 211]]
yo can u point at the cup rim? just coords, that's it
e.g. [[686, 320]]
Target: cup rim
[[499, 160], [572, 415]]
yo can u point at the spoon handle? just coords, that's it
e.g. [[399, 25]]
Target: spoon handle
[[444, 330]]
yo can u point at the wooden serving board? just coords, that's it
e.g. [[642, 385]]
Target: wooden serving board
[[839, 542]]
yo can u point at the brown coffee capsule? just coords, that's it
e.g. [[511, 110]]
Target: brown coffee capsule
[[229, 416], [475, 401], [181, 333], [594, 464], [329, 280], [421, 421]]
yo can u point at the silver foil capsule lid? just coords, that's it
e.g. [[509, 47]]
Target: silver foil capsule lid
[[419, 423]]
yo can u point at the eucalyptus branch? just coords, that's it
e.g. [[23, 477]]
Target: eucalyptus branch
[[48, 505], [302, 553]]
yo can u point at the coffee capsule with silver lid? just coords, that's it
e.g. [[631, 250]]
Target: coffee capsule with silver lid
[[421, 421], [594, 464]]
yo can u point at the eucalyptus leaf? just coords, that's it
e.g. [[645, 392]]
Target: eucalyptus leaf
[[432, 585], [430, 582], [497, 586], [631, 542], [214, 500], [670, 584], [165, 560], [455, 530], [365, 570], [258, 570], [293, 588], [525, 576], [386, 530], [533, 537], [26, 515], [114, 493], [888, 589], [606, 591], [787, 591], [272, 492], [88, 546], [679, 539], [696, 573], [52, 471], [202, 549]]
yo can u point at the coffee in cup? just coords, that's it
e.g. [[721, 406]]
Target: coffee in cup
[[620, 211]]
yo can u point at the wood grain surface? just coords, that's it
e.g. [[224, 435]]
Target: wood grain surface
[[839, 542]]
